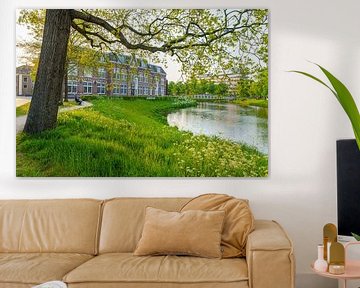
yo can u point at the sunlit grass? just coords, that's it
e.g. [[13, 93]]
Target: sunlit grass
[[131, 138], [22, 110]]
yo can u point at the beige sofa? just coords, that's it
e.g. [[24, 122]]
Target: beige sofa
[[89, 243]]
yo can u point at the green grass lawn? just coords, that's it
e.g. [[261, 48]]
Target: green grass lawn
[[252, 102], [118, 137], [24, 109]]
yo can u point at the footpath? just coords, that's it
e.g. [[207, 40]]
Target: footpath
[[20, 121]]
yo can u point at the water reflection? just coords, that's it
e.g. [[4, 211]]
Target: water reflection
[[229, 121]]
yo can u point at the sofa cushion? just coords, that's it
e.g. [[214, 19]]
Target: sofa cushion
[[193, 232], [126, 268], [238, 223], [62, 226], [36, 268], [123, 220]]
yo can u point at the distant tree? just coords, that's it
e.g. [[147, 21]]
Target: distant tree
[[211, 87], [200, 39], [243, 88], [172, 88], [222, 89], [262, 84], [259, 87]]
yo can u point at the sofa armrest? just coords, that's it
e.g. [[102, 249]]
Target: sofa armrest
[[269, 256]]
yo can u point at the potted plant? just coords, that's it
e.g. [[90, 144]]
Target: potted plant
[[346, 100], [357, 237]]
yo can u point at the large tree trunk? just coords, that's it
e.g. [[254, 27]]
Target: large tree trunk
[[50, 75]]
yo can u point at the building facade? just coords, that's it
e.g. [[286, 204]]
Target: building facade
[[231, 80], [119, 75], [24, 84]]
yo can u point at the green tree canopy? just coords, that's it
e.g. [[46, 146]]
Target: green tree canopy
[[205, 41], [195, 87]]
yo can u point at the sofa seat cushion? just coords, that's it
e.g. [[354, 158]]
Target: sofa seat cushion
[[36, 268], [127, 268]]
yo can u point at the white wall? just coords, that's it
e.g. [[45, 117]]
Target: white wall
[[305, 122]]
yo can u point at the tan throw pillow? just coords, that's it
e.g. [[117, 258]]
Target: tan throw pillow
[[196, 233], [239, 220]]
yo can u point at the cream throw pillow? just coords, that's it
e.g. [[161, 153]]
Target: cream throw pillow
[[238, 223], [193, 232]]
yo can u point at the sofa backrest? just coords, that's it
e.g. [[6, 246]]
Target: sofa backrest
[[66, 226], [123, 220]]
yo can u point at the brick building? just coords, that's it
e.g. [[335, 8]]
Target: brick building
[[24, 84], [121, 75]]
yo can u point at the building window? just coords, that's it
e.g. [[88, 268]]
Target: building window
[[162, 81], [145, 79], [157, 89], [25, 86], [87, 87], [123, 89], [72, 85], [101, 73], [117, 73], [72, 70], [116, 89], [100, 88], [123, 74], [142, 63], [87, 72], [25, 79], [141, 90], [146, 90], [141, 77]]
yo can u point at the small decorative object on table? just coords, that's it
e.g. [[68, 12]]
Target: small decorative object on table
[[52, 284], [337, 258], [329, 236], [320, 264]]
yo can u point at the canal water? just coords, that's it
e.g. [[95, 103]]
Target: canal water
[[247, 125]]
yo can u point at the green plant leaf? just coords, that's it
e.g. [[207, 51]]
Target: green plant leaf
[[346, 100], [316, 79], [357, 237], [344, 97]]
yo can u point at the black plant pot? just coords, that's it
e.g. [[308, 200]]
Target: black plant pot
[[348, 187]]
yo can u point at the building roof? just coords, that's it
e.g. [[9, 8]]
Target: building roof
[[23, 69], [131, 60]]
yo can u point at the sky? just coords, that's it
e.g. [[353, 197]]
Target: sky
[[172, 70]]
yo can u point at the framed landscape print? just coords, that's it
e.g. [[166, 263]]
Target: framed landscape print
[[142, 93]]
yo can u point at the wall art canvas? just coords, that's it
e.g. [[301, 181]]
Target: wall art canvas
[[142, 93]]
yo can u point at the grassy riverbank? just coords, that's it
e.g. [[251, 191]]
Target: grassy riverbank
[[119, 137], [251, 102]]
